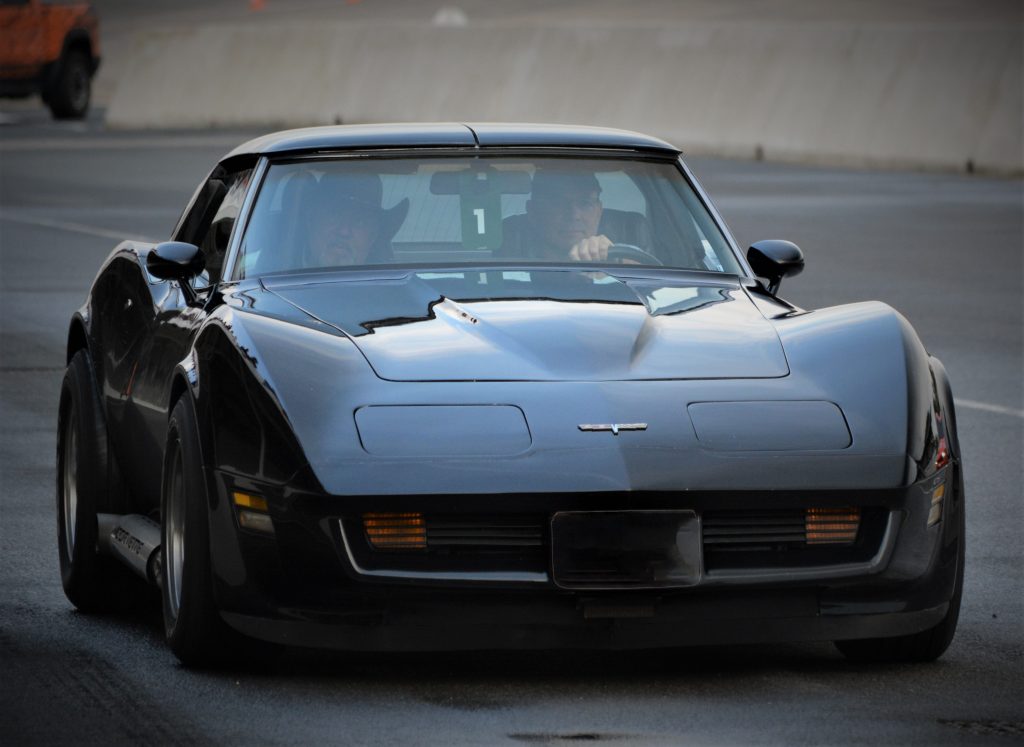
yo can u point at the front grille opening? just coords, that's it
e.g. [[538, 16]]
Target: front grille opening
[[797, 537], [750, 529], [813, 526], [733, 539], [443, 542], [485, 533]]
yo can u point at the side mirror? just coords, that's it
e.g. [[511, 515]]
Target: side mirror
[[775, 259], [175, 260]]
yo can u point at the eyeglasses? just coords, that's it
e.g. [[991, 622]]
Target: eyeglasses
[[568, 203]]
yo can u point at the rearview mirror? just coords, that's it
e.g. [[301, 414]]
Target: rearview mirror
[[775, 259], [503, 182]]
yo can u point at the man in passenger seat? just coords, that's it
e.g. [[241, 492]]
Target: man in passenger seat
[[348, 225]]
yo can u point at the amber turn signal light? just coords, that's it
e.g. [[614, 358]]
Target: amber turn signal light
[[935, 512], [831, 526], [245, 500], [406, 531]]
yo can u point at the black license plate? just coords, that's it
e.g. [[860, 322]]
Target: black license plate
[[625, 549]]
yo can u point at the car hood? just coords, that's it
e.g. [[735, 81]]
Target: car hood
[[542, 325]]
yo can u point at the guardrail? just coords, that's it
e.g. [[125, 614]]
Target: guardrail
[[891, 95]]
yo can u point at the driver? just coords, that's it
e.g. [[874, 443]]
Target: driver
[[562, 220]]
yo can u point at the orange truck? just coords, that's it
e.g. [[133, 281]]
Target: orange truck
[[51, 49]]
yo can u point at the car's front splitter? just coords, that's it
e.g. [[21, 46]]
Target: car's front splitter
[[567, 626]]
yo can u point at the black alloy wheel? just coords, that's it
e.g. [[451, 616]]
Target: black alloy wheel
[[91, 582], [194, 630]]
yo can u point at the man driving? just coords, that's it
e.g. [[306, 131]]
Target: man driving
[[562, 220]]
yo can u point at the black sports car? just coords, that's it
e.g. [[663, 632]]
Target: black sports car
[[497, 386]]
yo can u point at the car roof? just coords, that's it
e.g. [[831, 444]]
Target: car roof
[[439, 135]]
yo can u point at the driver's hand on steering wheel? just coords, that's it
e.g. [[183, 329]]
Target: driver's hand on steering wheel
[[592, 249]]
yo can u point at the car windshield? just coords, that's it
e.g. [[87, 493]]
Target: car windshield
[[317, 214]]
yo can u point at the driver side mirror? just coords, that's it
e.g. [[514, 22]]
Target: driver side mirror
[[176, 260], [775, 259]]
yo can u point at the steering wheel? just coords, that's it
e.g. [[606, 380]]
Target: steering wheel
[[619, 252]]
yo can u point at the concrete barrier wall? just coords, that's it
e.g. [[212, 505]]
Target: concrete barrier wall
[[891, 95]]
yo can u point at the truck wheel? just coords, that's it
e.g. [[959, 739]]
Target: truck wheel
[[69, 96], [90, 581]]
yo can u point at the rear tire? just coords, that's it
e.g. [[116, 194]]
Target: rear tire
[[69, 96], [90, 580], [195, 631]]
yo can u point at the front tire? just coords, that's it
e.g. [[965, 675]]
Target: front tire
[[194, 630]]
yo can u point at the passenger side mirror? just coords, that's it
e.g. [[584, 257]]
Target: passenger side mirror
[[775, 259], [175, 260]]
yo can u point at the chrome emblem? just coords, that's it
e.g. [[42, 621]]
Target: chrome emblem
[[613, 427]]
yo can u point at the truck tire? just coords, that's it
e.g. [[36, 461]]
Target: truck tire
[[68, 97]]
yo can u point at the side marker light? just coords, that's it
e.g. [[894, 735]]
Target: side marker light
[[935, 513], [252, 512]]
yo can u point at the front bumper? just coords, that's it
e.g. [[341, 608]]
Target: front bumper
[[311, 584]]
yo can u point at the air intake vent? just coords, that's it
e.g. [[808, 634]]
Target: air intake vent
[[746, 528], [485, 531]]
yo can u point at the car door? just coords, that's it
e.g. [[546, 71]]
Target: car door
[[171, 321]]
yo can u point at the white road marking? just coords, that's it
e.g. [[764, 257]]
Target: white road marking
[[972, 404], [63, 225]]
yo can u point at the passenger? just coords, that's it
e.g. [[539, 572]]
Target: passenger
[[347, 225]]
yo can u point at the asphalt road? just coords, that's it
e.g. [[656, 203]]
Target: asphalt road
[[943, 249]]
